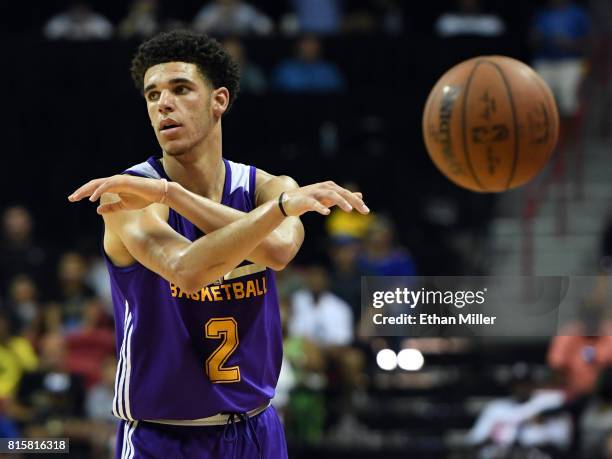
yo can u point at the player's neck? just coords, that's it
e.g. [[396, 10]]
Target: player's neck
[[201, 171]]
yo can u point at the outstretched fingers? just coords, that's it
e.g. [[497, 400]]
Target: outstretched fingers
[[87, 190], [334, 197], [355, 200], [105, 187]]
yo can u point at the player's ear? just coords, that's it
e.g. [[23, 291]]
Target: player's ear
[[220, 101]]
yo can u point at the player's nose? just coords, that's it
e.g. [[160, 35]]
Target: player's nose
[[166, 102]]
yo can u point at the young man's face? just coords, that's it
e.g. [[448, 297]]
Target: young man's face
[[179, 105]]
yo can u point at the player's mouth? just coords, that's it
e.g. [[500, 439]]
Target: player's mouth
[[168, 127]]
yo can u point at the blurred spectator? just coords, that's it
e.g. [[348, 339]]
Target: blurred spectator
[[19, 252], [16, 357], [606, 448], [343, 225], [80, 22], [73, 293], [141, 20], [304, 357], [506, 423], [289, 281], [90, 344], [323, 325], [232, 17], [50, 401], [583, 348], [287, 378], [318, 314], [323, 17], [596, 421], [99, 401], [381, 256], [98, 406], [468, 19], [252, 78], [371, 16], [308, 72], [284, 386], [391, 16], [303, 411], [23, 304], [560, 35], [50, 391], [345, 276], [97, 277]]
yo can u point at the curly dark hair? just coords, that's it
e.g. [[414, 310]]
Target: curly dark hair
[[214, 63]]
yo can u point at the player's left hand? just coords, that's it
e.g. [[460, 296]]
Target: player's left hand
[[134, 192]]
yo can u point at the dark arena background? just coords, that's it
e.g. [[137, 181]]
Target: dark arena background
[[331, 89]]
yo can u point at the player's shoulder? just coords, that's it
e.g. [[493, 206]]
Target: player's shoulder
[[151, 168], [268, 185], [262, 177]]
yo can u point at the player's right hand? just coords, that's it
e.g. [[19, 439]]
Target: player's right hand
[[319, 197], [134, 192]]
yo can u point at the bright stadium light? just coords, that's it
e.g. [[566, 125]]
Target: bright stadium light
[[386, 359], [410, 359]]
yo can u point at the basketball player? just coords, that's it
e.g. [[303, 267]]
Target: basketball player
[[190, 240]]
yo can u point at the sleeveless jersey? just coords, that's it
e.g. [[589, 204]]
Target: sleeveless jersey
[[193, 356]]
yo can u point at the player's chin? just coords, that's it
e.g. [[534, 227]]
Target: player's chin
[[174, 148]]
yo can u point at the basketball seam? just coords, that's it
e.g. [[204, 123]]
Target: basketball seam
[[463, 126], [549, 116], [430, 115], [514, 121]]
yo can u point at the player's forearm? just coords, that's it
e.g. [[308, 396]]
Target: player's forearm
[[220, 251], [275, 250]]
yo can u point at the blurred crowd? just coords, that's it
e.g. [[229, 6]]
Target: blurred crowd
[[143, 18], [559, 35], [564, 411]]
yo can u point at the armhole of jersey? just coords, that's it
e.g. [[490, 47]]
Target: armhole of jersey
[[252, 184], [121, 269]]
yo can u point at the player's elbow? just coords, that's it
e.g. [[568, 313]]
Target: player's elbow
[[190, 276], [189, 282], [281, 254], [184, 276], [188, 287], [277, 264], [279, 258]]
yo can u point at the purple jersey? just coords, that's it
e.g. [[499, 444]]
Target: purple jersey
[[193, 356]]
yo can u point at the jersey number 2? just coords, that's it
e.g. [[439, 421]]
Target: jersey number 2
[[224, 328]]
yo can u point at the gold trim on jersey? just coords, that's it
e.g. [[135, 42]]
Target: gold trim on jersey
[[244, 271]]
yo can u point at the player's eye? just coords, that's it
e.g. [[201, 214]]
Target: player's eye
[[153, 95], [181, 90]]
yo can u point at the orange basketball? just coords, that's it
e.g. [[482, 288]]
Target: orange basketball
[[490, 124]]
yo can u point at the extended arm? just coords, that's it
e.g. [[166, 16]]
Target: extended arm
[[276, 250], [138, 226], [190, 265]]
